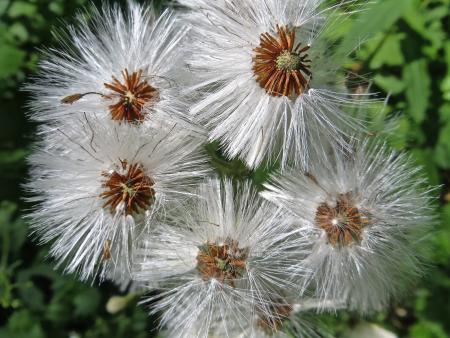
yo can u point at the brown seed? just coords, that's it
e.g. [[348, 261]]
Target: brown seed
[[106, 251], [71, 98], [75, 97], [281, 67]]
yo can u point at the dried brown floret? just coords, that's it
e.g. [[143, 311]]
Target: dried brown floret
[[343, 222], [134, 188], [281, 67], [225, 262], [132, 96]]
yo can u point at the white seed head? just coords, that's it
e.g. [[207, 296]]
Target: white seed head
[[94, 69], [222, 259], [276, 110], [365, 243], [96, 192]]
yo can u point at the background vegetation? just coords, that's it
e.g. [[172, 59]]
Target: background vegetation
[[408, 56]]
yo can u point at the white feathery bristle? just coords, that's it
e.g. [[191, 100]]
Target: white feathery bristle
[[102, 45], [366, 215], [250, 122], [257, 239], [69, 175]]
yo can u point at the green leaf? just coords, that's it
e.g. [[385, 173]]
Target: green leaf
[[444, 113], [445, 85], [377, 18], [58, 311], [3, 6], [421, 301], [86, 303], [425, 329], [442, 150], [441, 247], [22, 324], [19, 31], [8, 157], [13, 227], [390, 52], [426, 22], [11, 60], [416, 20], [30, 292], [56, 7], [390, 84], [422, 157], [22, 8], [418, 88]]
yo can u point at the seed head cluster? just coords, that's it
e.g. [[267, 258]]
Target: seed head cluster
[[122, 190]]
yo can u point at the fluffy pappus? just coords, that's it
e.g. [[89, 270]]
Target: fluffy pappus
[[114, 64], [295, 318], [222, 259], [95, 193], [269, 86], [366, 215]]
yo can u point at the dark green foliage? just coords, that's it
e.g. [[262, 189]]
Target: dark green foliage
[[407, 54]]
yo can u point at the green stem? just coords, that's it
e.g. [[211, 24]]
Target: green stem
[[5, 248]]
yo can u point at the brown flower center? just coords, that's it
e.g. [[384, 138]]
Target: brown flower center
[[132, 96], [224, 262], [342, 223], [131, 186], [281, 67]]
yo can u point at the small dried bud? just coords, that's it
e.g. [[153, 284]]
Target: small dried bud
[[117, 303], [71, 98]]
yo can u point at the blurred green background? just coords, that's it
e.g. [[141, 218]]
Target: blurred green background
[[408, 58]]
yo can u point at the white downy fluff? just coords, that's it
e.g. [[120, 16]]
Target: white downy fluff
[[386, 196], [299, 323], [250, 123], [103, 43], [68, 175], [197, 303]]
